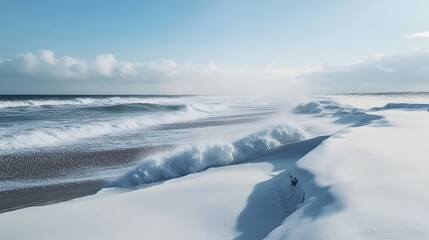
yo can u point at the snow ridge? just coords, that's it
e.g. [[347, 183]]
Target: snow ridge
[[343, 114]]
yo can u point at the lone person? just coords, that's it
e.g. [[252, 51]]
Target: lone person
[[293, 181]]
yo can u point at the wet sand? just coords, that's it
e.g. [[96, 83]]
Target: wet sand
[[45, 165], [29, 166], [39, 196]]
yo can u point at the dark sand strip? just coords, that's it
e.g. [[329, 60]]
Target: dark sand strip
[[56, 165], [39, 196]]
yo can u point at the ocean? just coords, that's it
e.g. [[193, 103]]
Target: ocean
[[58, 142]]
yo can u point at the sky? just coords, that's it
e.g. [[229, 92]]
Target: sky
[[218, 47]]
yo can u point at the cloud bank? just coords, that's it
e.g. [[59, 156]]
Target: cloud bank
[[45, 73], [402, 72]]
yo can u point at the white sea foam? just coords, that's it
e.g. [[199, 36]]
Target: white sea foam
[[44, 102]]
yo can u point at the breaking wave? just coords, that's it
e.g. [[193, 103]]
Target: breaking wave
[[40, 121], [201, 157], [139, 107], [23, 102], [60, 134]]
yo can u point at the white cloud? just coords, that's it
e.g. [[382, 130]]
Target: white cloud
[[401, 72], [47, 56], [45, 73], [418, 35], [105, 64], [127, 68], [28, 60]]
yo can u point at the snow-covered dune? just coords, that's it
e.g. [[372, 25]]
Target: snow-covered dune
[[366, 183]]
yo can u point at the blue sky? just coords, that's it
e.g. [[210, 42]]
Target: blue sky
[[250, 35]]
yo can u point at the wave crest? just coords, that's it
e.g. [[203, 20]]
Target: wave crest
[[201, 157]]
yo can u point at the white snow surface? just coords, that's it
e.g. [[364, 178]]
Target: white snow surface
[[366, 181]]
